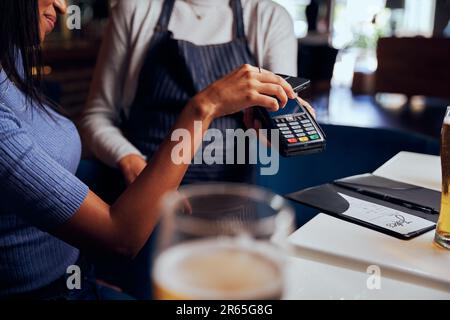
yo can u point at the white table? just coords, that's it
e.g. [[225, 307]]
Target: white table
[[322, 277]]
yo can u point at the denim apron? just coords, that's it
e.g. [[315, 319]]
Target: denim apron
[[173, 72]]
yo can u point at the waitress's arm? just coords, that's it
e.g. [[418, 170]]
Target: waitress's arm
[[118, 57], [126, 225]]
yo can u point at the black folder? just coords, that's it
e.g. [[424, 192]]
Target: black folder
[[410, 199]]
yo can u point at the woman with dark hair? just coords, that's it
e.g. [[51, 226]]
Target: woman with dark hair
[[46, 213]]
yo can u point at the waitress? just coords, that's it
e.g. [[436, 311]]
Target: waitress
[[146, 73]]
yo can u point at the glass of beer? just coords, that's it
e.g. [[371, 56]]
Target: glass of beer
[[222, 242], [442, 236]]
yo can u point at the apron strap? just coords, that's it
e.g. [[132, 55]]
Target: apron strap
[[164, 17], [238, 19]]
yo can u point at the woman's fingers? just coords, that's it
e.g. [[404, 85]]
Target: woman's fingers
[[246, 68], [245, 87], [265, 101], [250, 73], [269, 77], [274, 90]]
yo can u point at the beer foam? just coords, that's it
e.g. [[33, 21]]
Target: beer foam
[[220, 269]]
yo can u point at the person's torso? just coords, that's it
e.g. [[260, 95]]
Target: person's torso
[[31, 258], [173, 72]]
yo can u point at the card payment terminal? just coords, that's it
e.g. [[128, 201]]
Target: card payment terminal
[[299, 131]]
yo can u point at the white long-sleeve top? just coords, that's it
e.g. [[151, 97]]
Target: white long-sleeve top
[[268, 27]]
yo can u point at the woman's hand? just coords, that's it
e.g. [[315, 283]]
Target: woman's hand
[[125, 226], [131, 167], [245, 87]]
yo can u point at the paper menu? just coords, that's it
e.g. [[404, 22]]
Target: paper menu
[[384, 217]]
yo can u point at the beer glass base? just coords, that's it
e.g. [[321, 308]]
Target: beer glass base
[[442, 241]]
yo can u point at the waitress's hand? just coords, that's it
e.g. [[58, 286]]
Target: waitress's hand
[[308, 106], [245, 87], [131, 167]]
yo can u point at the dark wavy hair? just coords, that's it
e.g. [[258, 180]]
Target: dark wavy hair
[[20, 42]]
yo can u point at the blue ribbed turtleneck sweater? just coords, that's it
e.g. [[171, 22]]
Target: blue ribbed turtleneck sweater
[[39, 155]]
